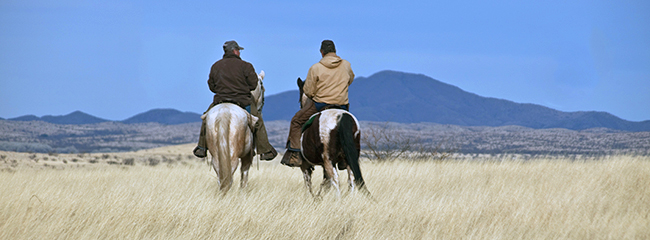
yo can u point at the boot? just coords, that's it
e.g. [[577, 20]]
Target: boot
[[292, 158], [201, 149], [268, 156]]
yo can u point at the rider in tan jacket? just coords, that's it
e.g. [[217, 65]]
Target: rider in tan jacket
[[326, 86], [328, 80]]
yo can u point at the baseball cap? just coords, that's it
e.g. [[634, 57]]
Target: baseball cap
[[231, 45]]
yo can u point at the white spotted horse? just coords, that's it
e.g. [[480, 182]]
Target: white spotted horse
[[229, 137], [331, 139]]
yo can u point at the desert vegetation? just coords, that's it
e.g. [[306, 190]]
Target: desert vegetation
[[385, 143], [516, 139], [43, 137], [428, 181], [460, 197], [427, 138]]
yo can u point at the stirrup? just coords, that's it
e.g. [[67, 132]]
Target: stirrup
[[199, 148]]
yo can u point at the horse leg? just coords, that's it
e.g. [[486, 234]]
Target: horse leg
[[335, 181], [215, 166], [351, 179], [325, 185], [306, 173], [234, 163], [246, 163], [332, 177]]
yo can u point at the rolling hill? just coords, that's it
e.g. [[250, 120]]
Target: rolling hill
[[164, 116], [76, 117]]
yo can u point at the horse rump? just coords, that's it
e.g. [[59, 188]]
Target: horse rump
[[350, 148]]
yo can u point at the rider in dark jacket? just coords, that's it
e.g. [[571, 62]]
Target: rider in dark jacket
[[231, 80]]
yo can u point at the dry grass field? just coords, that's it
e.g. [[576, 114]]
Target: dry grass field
[[178, 198]]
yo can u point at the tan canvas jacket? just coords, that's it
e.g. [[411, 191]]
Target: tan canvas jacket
[[328, 80]]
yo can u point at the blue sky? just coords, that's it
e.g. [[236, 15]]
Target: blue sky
[[115, 59]]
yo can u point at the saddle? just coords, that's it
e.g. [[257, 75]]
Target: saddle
[[252, 119], [322, 108], [309, 122], [231, 101]]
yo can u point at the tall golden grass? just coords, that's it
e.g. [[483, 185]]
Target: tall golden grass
[[493, 199]]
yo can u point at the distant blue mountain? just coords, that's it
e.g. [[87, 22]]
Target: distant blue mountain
[[413, 98], [76, 117], [281, 106], [390, 96], [25, 118], [164, 116]]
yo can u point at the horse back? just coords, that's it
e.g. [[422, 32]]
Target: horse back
[[227, 112], [229, 121]]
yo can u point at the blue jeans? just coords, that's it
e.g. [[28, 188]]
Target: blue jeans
[[320, 106]]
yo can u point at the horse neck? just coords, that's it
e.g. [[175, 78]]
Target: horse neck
[[258, 92]]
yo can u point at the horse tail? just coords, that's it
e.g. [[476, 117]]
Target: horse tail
[[346, 140], [223, 149]]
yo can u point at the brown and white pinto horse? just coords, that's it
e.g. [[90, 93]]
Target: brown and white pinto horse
[[332, 140]]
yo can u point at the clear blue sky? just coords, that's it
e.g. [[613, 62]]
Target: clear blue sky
[[115, 59]]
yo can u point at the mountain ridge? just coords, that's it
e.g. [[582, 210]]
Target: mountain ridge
[[158, 115], [393, 96], [412, 98]]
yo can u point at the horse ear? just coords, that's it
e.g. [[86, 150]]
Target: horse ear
[[261, 75], [300, 82]]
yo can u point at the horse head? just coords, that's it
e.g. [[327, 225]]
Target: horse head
[[258, 92], [302, 95]]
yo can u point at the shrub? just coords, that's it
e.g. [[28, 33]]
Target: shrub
[[385, 143], [153, 161], [128, 161]]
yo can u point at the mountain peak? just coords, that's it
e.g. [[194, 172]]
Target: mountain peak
[[413, 98], [76, 117]]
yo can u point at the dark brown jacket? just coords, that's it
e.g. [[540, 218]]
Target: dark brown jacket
[[232, 79]]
